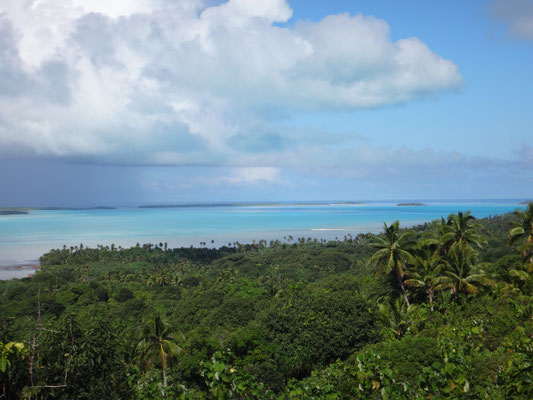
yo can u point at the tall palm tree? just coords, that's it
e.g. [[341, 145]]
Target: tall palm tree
[[462, 273], [426, 270], [394, 251], [522, 231], [462, 230], [158, 341]]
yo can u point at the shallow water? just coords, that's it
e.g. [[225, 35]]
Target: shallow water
[[19, 272], [24, 238]]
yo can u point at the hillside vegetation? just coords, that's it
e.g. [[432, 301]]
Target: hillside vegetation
[[440, 311]]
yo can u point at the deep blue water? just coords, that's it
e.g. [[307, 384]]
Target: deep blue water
[[24, 238]]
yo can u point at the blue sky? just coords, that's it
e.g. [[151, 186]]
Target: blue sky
[[112, 102]]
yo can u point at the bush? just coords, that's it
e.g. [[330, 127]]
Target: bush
[[124, 295], [410, 355], [312, 326]]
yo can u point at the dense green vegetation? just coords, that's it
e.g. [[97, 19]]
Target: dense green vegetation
[[439, 311]]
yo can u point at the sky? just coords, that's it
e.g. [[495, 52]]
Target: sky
[[108, 102]]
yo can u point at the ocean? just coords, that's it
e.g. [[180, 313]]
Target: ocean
[[24, 238]]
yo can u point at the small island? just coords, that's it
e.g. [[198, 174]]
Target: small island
[[410, 204], [525, 203], [73, 208], [250, 204], [23, 211], [12, 212], [187, 205]]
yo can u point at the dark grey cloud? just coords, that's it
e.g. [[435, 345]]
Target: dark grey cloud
[[517, 15], [51, 182]]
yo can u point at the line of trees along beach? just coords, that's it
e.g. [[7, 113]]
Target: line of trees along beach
[[439, 311]]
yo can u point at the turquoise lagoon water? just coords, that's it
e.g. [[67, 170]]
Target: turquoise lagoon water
[[24, 238]]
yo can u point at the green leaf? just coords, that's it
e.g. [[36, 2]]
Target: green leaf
[[3, 364]]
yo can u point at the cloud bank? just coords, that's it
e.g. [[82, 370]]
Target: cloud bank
[[183, 83]]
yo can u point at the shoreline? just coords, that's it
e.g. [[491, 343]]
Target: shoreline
[[19, 266], [18, 271]]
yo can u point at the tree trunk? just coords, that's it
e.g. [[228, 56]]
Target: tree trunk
[[163, 365], [399, 276], [404, 294], [530, 254], [430, 293]]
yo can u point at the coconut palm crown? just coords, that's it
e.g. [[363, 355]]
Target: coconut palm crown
[[158, 341], [462, 273], [522, 231], [462, 230], [426, 270], [393, 254]]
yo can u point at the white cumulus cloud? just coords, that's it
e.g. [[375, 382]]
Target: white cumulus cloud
[[252, 175], [166, 82]]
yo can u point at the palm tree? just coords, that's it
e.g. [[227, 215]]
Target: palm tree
[[462, 273], [433, 238], [395, 316], [426, 270], [159, 278], [393, 254], [462, 230], [523, 231], [157, 340], [520, 275]]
